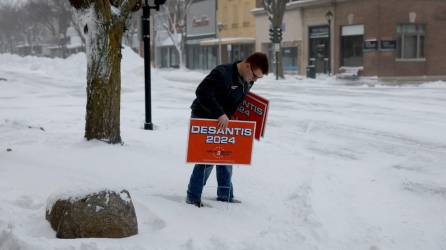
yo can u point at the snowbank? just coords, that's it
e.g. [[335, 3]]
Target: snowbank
[[340, 166]]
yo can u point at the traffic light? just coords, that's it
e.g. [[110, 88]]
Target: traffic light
[[272, 35], [279, 35]]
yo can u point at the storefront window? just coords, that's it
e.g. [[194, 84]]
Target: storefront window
[[235, 52], [201, 57], [352, 51], [246, 50], [164, 57], [351, 45], [410, 41], [174, 57], [241, 51], [212, 57], [192, 56], [289, 59]]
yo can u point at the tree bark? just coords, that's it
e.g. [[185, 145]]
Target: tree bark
[[104, 30], [104, 87]]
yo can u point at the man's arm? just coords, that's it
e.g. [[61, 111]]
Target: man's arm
[[206, 92]]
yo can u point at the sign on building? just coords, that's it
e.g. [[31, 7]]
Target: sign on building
[[201, 19], [370, 45], [388, 44]]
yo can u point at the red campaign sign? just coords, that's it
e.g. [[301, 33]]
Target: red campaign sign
[[254, 108], [209, 144]]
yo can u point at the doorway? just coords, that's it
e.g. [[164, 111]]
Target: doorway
[[352, 39], [319, 48]]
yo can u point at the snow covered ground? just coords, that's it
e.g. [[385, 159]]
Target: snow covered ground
[[341, 167]]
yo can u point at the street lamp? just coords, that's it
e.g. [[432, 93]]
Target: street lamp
[[152, 4], [329, 17]]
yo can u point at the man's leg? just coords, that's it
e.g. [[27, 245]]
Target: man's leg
[[224, 191], [197, 181]]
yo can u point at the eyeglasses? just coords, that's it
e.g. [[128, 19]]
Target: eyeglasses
[[254, 74]]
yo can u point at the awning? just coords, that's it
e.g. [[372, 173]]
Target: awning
[[353, 30], [228, 40]]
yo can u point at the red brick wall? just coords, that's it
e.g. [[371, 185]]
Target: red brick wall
[[380, 18]]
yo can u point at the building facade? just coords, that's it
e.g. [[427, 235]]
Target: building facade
[[391, 38], [165, 54], [236, 29], [292, 42], [201, 26], [384, 38], [316, 32]]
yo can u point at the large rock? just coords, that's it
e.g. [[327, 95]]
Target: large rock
[[106, 214]]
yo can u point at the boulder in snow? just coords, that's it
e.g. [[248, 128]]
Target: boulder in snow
[[106, 214]]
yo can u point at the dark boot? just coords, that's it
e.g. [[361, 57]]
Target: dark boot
[[230, 200], [195, 203]]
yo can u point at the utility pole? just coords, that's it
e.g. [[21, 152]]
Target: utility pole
[[275, 35], [275, 10], [329, 17]]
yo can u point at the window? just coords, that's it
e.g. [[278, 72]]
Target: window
[[174, 57], [289, 59], [351, 48], [235, 15], [212, 57], [351, 45], [164, 57], [410, 41], [246, 18]]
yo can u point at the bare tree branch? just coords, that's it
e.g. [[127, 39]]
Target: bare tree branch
[[128, 6], [125, 8], [175, 11], [81, 4], [268, 8]]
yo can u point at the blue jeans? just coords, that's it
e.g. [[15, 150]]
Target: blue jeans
[[199, 177]]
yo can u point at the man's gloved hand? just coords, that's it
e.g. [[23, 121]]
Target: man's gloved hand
[[223, 121]]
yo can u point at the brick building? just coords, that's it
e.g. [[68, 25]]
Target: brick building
[[391, 38]]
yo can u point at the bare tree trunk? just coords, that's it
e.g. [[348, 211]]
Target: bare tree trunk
[[181, 58], [176, 14], [104, 85], [79, 32], [104, 31], [182, 52]]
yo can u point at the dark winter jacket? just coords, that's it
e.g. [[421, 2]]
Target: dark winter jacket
[[221, 92]]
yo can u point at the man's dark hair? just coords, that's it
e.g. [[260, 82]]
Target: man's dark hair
[[258, 60]]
